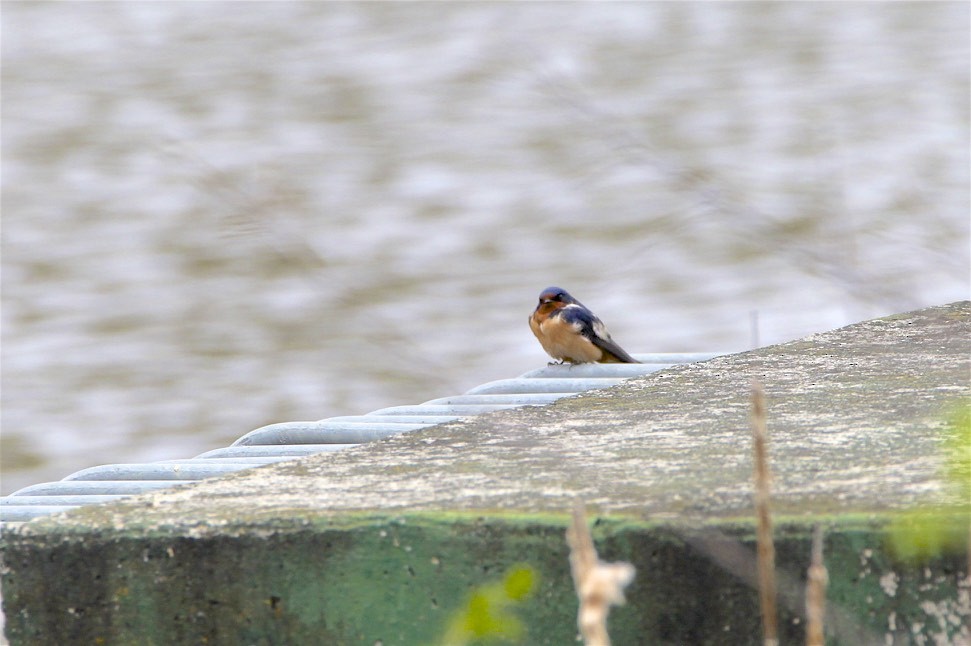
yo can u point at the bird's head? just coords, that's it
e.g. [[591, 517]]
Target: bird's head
[[553, 298], [556, 295]]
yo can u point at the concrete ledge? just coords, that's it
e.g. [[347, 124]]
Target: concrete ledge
[[378, 544]]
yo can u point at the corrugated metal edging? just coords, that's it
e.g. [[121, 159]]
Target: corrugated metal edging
[[290, 440]]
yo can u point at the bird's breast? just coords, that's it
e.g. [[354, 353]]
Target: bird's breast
[[562, 340]]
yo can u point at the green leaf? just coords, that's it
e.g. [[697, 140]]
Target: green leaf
[[487, 616], [922, 534], [519, 583]]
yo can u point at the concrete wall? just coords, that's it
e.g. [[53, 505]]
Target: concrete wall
[[382, 544]]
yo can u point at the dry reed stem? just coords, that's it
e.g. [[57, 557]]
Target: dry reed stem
[[766, 549], [599, 585], [816, 582]]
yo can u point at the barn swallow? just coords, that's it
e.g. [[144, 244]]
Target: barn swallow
[[568, 331]]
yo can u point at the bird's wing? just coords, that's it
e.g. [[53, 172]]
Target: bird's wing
[[608, 346], [595, 331]]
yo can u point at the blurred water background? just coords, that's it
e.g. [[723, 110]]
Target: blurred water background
[[222, 215]]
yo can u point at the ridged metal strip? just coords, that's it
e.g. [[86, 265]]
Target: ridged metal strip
[[285, 450], [540, 385], [95, 487], [515, 400], [59, 501], [154, 471], [290, 440], [323, 433]]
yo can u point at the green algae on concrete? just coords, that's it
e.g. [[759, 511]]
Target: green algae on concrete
[[379, 544], [398, 580]]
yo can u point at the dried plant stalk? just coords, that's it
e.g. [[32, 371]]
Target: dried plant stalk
[[816, 583], [766, 549], [599, 585]]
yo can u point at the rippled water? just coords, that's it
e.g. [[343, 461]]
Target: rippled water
[[222, 215]]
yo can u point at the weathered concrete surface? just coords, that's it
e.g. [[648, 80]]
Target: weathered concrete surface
[[378, 544]]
